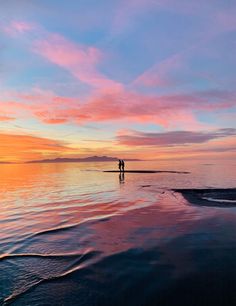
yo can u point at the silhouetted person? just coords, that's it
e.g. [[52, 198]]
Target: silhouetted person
[[120, 165], [123, 165]]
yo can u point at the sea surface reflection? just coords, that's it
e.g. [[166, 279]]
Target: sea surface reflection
[[74, 235]]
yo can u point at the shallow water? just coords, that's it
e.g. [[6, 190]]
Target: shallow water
[[74, 235]]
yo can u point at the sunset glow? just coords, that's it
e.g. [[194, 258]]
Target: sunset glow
[[137, 79]]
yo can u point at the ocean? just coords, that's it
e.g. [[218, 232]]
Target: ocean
[[71, 234]]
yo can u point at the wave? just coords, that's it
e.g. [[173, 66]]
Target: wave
[[54, 230], [82, 261], [22, 255], [219, 200]]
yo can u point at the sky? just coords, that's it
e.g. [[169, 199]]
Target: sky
[[147, 79]]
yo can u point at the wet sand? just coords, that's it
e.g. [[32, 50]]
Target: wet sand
[[218, 197]]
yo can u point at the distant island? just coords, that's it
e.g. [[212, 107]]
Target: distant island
[[80, 160]]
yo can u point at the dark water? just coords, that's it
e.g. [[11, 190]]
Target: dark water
[[74, 235]]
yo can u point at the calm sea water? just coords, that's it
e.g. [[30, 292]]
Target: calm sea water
[[71, 234]]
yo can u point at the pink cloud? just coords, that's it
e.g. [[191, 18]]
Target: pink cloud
[[21, 26], [110, 101], [136, 107], [160, 73], [39, 96], [164, 109], [177, 110], [36, 100], [80, 61], [167, 111], [18, 27]]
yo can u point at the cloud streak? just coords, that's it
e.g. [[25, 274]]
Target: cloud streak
[[18, 27], [169, 111], [80, 61], [174, 138], [6, 118]]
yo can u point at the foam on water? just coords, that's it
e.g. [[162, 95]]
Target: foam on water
[[219, 200]]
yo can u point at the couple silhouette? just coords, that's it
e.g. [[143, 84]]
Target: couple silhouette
[[121, 165]]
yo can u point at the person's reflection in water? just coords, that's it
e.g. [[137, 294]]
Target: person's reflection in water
[[122, 177]]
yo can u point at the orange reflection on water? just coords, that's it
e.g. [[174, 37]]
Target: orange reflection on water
[[41, 197]]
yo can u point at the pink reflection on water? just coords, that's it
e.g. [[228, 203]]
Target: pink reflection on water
[[37, 197]]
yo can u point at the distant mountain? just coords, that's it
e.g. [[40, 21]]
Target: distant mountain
[[2, 162], [79, 160]]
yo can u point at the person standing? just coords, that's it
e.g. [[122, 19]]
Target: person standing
[[120, 165], [123, 165]]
